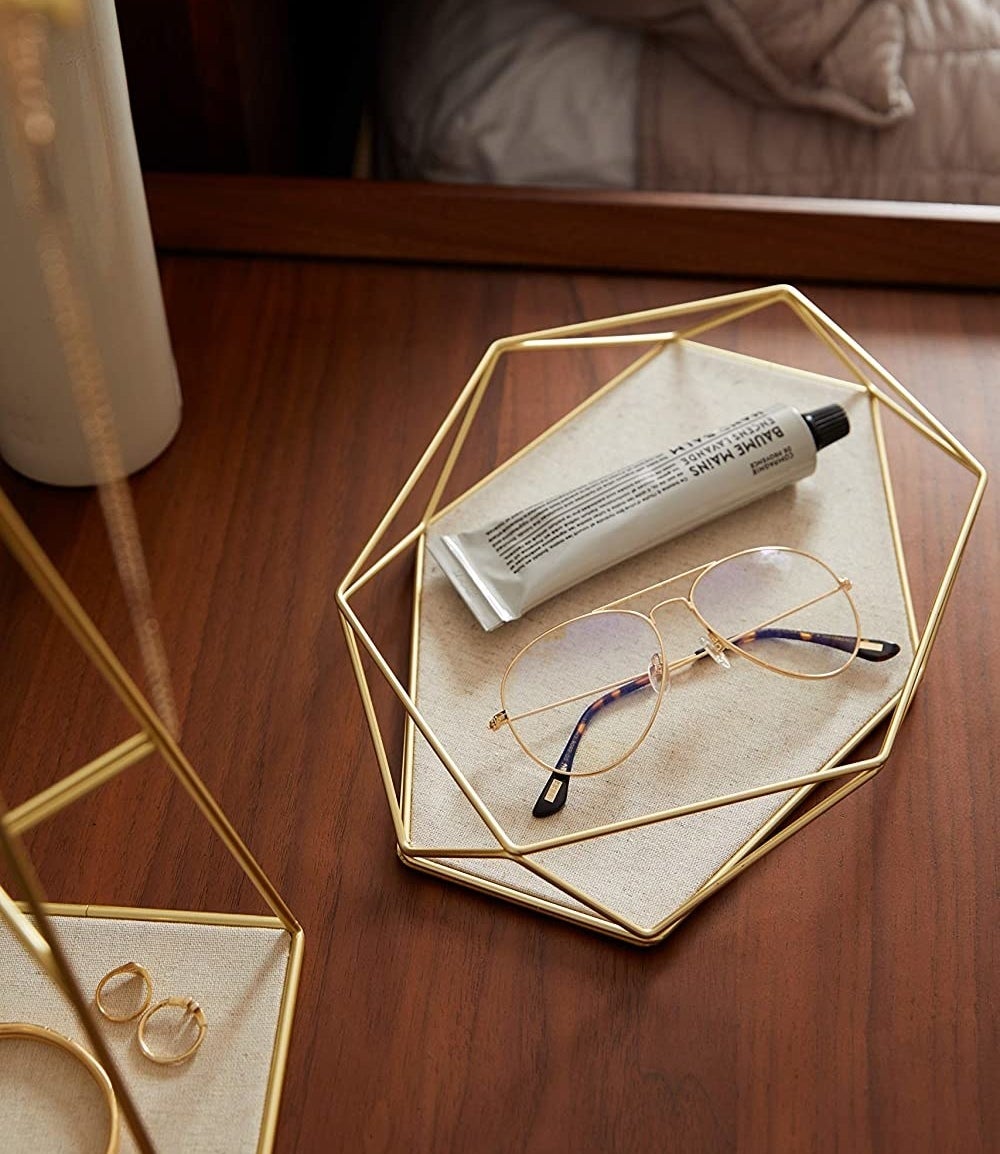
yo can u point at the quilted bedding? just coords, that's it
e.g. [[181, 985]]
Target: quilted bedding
[[876, 99], [887, 99]]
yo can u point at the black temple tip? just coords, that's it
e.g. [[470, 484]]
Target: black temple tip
[[553, 796], [872, 650]]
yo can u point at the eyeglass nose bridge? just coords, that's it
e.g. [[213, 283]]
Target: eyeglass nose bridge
[[712, 644], [685, 601]]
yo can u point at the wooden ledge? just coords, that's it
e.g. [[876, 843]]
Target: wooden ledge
[[774, 238]]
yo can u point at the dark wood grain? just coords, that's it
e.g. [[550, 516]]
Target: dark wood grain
[[775, 238], [841, 996]]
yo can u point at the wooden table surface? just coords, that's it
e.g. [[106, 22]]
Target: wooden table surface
[[840, 996]]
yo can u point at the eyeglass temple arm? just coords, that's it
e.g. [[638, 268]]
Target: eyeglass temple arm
[[869, 648], [556, 790]]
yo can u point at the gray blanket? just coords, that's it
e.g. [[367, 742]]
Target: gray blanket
[[891, 99], [887, 99], [841, 56]]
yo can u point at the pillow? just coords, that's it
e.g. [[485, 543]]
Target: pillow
[[841, 56]]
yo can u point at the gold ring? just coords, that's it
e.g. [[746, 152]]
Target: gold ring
[[190, 1007], [89, 1062], [128, 968]]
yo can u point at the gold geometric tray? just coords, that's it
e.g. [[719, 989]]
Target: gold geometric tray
[[31, 929], [241, 970], [739, 752]]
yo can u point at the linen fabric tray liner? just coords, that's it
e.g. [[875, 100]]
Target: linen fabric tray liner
[[214, 1102], [718, 731]]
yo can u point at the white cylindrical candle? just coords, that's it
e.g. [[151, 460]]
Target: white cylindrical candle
[[96, 168]]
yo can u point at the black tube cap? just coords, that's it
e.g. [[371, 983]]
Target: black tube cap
[[827, 425]]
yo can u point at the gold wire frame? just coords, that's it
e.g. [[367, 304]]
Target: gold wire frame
[[884, 392], [841, 585], [30, 919]]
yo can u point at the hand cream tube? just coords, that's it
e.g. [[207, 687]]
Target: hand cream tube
[[516, 563]]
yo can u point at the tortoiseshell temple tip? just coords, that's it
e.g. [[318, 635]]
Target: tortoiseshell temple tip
[[871, 650], [498, 719], [553, 796]]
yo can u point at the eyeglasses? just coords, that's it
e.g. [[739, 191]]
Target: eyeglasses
[[782, 609]]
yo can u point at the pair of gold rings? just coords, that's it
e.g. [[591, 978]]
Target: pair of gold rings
[[148, 1009]]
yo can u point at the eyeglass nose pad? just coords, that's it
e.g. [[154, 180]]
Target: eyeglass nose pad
[[712, 646], [656, 673]]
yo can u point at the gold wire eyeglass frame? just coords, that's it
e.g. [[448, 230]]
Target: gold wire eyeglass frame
[[865, 375], [716, 644]]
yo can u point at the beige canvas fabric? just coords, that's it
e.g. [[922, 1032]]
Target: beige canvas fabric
[[213, 1103], [718, 731]]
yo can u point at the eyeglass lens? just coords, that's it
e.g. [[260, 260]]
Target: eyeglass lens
[[572, 681], [782, 608]]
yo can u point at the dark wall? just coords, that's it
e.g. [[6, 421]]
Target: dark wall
[[247, 85]]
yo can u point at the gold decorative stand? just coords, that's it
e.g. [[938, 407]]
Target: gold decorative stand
[[33, 920], [41, 126], [498, 853]]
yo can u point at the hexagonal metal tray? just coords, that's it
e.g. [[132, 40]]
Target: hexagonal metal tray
[[733, 752]]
